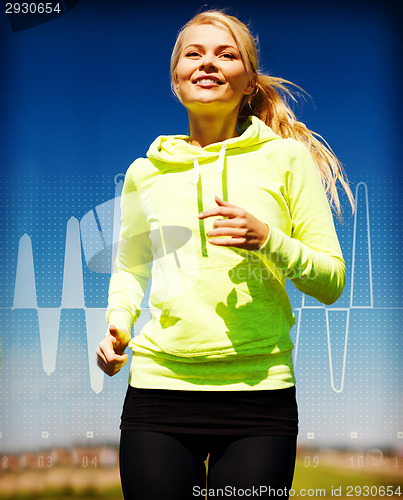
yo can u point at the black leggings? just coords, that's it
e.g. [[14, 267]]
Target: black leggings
[[163, 466]]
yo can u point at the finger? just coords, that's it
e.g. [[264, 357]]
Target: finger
[[234, 232], [223, 203], [116, 359], [234, 222], [105, 351], [221, 210], [120, 334], [101, 364], [101, 353], [108, 354], [101, 361], [228, 242], [112, 367], [113, 331]]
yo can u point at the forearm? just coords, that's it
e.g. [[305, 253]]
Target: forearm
[[126, 293], [319, 274]]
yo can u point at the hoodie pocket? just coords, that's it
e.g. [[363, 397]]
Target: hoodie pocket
[[227, 311]]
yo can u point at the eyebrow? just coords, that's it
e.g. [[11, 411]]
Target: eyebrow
[[221, 47]]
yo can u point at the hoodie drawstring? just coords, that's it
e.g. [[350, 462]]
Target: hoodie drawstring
[[220, 165], [221, 159], [196, 171], [221, 170], [202, 231]]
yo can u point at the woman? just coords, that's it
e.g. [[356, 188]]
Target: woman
[[225, 215]]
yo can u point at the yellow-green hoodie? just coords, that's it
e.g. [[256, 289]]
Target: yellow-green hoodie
[[221, 317]]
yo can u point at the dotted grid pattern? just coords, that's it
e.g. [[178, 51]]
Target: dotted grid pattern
[[40, 410], [360, 349], [348, 394]]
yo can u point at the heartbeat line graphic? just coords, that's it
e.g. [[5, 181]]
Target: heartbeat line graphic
[[72, 298], [25, 296], [99, 236], [361, 293]]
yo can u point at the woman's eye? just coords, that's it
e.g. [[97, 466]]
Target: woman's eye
[[228, 55], [192, 54]]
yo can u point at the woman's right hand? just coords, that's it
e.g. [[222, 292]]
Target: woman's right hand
[[110, 351]]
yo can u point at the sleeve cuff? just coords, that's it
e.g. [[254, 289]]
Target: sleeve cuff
[[121, 318], [267, 239]]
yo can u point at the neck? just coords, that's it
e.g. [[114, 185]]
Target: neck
[[207, 129]]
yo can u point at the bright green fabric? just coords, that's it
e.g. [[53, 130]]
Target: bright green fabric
[[221, 316]]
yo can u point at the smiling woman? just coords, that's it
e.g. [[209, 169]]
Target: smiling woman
[[212, 371], [210, 70]]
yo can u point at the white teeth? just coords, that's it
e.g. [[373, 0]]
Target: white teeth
[[206, 80]]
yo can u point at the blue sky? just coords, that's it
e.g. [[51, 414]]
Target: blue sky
[[85, 94]]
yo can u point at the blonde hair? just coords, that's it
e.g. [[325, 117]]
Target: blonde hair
[[269, 103]]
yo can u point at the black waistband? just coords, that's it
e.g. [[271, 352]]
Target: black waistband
[[211, 412]]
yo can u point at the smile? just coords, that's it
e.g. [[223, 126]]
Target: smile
[[207, 82]]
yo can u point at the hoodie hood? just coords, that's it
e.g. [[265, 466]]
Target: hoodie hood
[[175, 150]]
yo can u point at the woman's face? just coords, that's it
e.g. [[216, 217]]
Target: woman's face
[[210, 70]]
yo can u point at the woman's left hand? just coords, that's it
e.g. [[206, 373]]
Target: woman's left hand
[[242, 228]]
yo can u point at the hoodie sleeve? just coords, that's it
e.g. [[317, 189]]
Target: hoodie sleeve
[[311, 258], [132, 267]]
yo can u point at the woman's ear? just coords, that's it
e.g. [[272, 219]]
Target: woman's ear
[[176, 81], [175, 86], [251, 85]]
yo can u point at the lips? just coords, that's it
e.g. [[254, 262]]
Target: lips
[[207, 80]]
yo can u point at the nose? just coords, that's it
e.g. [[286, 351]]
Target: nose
[[208, 61]]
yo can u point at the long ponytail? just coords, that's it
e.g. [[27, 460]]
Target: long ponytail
[[269, 102]]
